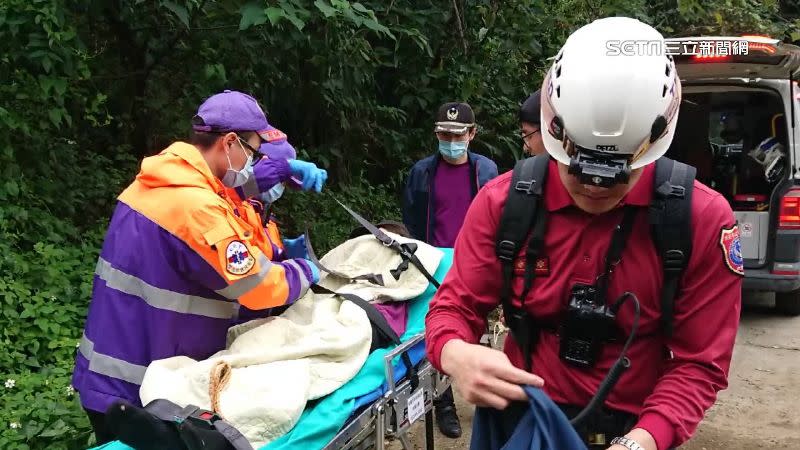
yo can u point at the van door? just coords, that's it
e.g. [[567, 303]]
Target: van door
[[768, 63]]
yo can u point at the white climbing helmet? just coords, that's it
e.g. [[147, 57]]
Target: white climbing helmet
[[607, 112]]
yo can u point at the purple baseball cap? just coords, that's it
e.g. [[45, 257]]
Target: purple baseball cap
[[231, 111], [277, 146]]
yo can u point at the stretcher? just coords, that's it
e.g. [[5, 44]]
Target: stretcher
[[384, 400], [392, 414]]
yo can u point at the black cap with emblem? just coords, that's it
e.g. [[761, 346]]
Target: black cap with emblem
[[454, 117]]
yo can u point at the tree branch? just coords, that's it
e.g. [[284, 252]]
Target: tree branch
[[170, 47], [460, 28]]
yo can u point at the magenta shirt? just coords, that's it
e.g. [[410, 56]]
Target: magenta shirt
[[452, 196]]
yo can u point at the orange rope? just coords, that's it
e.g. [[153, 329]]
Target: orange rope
[[218, 380]]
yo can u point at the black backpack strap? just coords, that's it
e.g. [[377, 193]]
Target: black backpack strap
[[523, 211], [670, 220], [383, 334]]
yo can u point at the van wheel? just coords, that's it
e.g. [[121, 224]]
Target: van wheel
[[788, 303]]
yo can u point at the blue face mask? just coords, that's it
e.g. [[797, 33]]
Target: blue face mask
[[272, 195], [452, 150]]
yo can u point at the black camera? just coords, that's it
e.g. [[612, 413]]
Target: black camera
[[587, 325]]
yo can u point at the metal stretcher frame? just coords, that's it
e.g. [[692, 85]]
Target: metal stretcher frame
[[388, 417]]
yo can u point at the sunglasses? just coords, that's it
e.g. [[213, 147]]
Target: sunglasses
[[257, 155]]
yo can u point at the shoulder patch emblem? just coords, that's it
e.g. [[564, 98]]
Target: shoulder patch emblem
[[239, 259], [732, 249]]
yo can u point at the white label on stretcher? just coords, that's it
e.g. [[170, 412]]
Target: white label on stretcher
[[416, 406]]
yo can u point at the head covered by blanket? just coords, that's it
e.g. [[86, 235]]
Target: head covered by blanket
[[366, 254]]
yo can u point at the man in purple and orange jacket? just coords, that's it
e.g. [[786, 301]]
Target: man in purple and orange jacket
[[186, 255]]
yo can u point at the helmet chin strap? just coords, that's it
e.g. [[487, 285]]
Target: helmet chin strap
[[599, 169]]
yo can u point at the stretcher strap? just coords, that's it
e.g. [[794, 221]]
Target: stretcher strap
[[373, 278], [406, 251], [380, 324]]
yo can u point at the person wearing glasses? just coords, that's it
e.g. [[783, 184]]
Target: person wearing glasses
[[438, 192], [183, 252], [277, 146], [529, 124]]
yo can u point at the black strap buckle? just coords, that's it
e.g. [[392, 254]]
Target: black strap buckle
[[406, 250], [674, 260], [204, 417], [525, 186], [506, 250], [669, 190]]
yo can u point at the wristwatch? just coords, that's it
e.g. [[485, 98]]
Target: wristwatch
[[630, 444]]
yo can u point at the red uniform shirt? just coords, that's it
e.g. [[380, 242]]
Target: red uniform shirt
[[671, 395]]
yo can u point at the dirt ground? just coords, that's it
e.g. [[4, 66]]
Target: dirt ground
[[758, 410]]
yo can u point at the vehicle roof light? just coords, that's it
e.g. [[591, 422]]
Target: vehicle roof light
[[757, 36], [768, 48], [711, 57]]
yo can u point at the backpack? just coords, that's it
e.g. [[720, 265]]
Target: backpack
[[524, 215]]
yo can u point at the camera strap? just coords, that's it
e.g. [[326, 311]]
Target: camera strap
[[618, 242]]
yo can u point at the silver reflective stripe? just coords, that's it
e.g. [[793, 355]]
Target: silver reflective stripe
[[246, 284], [110, 366], [162, 298], [236, 310], [301, 275]]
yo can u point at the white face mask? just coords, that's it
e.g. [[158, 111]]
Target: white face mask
[[234, 178]]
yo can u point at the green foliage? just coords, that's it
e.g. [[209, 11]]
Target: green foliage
[[328, 223], [40, 410], [91, 87]]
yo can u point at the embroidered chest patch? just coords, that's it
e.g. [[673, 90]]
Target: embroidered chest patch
[[731, 247], [541, 269], [239, 259]]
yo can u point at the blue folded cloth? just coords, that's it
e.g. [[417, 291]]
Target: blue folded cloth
[[536, 425]]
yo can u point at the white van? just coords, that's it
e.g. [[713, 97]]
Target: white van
[[737, 126]]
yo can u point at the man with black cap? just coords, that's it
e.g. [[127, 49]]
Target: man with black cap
[[529, 124], [438, 192]]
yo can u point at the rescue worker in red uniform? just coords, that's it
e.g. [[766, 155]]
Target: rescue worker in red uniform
[[605, 121]]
